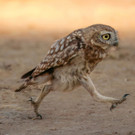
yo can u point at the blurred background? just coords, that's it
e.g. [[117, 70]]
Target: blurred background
[[65, 15], [27, 30]]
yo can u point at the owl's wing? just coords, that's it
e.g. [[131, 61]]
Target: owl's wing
[[61, 52]]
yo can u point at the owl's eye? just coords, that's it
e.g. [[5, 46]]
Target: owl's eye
[[106, 36]]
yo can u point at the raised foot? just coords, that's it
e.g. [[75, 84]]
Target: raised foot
[[114, 105], [35, 105]]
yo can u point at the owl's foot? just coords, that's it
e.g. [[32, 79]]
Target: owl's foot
[[35, 105], [114, 105], [38, 117]]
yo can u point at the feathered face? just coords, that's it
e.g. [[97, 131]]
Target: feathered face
[[104, 36]]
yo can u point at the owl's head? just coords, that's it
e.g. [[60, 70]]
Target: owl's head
[[102, 35]]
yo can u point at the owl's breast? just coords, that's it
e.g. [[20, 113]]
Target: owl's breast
[[93, 55]]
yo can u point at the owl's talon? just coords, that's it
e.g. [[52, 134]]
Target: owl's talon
[[38, 116], [114, 105], [35, 105], [125, 95], [31, 100]]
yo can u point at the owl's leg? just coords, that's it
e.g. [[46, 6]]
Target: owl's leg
[[87, 83], [46, 89]]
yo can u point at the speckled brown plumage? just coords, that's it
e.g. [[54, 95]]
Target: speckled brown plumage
[[70, 61], [61, 52]]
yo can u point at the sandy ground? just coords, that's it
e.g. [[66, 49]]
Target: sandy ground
[[68, 113]]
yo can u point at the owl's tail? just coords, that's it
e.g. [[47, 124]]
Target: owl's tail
[[23, 86], [42, 78], [27, 82]]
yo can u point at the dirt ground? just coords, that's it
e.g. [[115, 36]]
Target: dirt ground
[[68, 113]]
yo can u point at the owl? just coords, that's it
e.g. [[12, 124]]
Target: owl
[[70, 61]]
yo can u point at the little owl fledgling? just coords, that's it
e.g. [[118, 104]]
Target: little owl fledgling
[[70, 61]]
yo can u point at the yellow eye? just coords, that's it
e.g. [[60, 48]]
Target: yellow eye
[[106, 36]]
